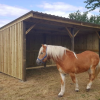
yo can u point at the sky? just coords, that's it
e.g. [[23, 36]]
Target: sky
[[12, 9]]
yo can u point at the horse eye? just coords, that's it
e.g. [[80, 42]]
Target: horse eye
[[41, 52]]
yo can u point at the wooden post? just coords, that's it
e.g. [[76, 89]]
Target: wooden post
[[72, 39], [72, 35], [99, 43], [44, 42], [98, 34], [24, 52]]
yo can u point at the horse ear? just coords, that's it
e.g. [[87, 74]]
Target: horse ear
[[43, 46]]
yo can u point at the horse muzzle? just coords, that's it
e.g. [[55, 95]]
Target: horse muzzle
[[38, 62]]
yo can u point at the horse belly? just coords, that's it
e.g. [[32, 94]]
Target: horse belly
[[81, 69]]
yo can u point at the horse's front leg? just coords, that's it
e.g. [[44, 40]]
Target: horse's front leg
[[62, 84]]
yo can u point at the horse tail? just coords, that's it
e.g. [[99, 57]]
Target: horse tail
[[97, 70]]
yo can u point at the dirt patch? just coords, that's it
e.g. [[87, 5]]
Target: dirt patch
[[44, 84]]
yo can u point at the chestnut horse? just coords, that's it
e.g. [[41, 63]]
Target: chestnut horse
[[70, 63]]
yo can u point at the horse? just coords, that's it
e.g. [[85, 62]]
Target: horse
[[68, 62]]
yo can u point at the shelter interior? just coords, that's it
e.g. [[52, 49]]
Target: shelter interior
[[40, 31]]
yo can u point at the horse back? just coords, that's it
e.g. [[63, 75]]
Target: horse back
[[85, 60]]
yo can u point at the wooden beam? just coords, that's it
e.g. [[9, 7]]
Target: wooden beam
[[51, 29], [69, 33], [72, 39], [67, 21], [98, 34], [30, 28], [47, 22], [76, 33]]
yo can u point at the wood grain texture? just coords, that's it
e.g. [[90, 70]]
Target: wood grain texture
[[11, 48]]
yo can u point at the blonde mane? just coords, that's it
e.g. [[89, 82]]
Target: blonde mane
[[54, 51]]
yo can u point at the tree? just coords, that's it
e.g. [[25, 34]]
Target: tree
[[78, 16], [92, 4], [84, 17]]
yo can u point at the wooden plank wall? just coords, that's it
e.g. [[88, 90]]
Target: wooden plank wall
[[11, 47], [87, 42], [34, 41]]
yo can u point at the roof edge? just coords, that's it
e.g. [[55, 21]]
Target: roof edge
[[19, 19]]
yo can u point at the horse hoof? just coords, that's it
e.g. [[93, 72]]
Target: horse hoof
[[76, 90], [59, 95], [87, 90]]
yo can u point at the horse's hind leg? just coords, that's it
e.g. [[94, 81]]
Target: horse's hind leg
[[91, 77], [74, 79]]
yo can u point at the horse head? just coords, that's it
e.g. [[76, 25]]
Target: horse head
[[42, 56]]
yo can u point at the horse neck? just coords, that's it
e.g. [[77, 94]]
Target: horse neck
[[69, 55]]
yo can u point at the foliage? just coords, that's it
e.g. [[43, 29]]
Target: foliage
[[84, 17], [92, 4]]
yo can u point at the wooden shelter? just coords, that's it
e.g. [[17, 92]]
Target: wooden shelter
[[21, 39]]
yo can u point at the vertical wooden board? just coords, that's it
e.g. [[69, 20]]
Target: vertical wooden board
[[89, 41], [0, 51], [16, 49], [28, 42], [66, 42], [34, 41], [12, 49], [1, 55], [77, 42], [31, 49], [18, 68], [6, 55], [19, 51], [58, 40], [8, 50], [80, 42], [23, 27], [48, 39], [53, 39], [95, 43], [5, 48], [17, 33], [3, 51], [14, 34], [84, 42]]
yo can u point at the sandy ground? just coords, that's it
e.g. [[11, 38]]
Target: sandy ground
[[44, 84]]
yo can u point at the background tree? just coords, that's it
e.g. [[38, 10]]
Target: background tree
[[92, 4], [84, 17], [78, 16]]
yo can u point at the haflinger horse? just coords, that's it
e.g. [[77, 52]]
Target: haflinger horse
[[70, 63]]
